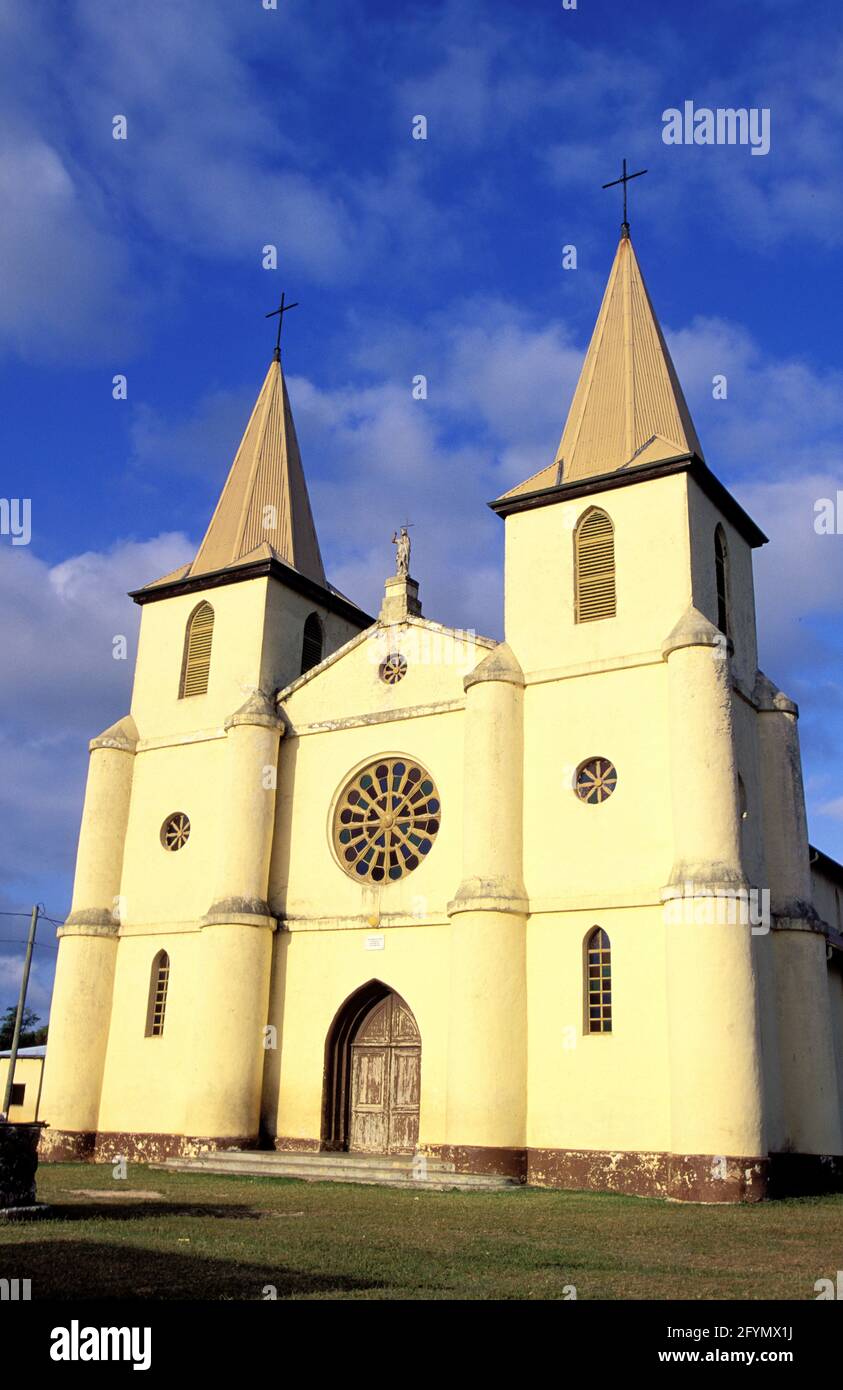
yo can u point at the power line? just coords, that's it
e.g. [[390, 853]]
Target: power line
[[15, 941], [19, 941], [42, 915]]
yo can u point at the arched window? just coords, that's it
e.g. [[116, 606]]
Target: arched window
[[594, 567], [721, 571], [311, 647], [196, 663], [157, 1006], [598, 982]]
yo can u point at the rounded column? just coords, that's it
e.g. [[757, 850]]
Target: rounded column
[[235, 953], [811, 1121], [80, 1013], [487, 1040], [714, 1034]]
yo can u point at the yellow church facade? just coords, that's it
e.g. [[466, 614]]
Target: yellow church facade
[[543, 908]]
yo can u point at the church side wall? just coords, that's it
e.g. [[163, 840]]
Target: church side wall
[[753, 857], [605, 1092], [835, 993], [159, 885], [147, 1080], [286, 613], [623, 846], [704, 518], [597, 866], [827, 897], [164, 894]]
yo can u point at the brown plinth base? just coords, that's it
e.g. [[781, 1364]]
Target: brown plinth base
[[676, 1177], [673, 1177], [70, 1146], [285, 1145], [471, 1158], [680, 1177]]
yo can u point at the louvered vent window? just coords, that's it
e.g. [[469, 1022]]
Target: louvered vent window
[[594, 559], [197, 651], [311, 647]]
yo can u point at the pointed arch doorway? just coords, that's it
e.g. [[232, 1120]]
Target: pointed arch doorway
[[372, 1074]]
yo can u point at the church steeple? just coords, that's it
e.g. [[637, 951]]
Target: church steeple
[[264, 506], [628, 407]]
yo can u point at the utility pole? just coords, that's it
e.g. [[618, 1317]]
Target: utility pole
[[27, 962]]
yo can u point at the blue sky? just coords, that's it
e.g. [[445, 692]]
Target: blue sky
[[293, 127]]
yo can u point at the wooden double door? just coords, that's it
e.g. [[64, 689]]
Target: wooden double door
[[385, 1080]]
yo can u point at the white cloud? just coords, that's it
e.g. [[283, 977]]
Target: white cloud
[[41, 973], [782, 417], [60, 686], [218, 161], [201, 445], [63, 272]]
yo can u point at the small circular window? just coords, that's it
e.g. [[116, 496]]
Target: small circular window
[[595, 781], [393, 668], [386, 820], [175, 832]]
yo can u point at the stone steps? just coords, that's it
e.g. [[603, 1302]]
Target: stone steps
[[383, 1170]]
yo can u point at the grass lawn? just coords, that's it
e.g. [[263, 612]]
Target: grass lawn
[[215, 1237]]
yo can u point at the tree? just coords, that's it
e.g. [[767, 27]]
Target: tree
[[30, 1033]]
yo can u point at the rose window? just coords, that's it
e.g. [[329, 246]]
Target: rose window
[[386, 820]]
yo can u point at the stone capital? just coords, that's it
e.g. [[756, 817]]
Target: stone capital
[[259, 711], [694, 630], [499, 665]]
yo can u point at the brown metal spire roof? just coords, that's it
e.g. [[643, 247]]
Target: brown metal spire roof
[[628, 408], [264, 507]]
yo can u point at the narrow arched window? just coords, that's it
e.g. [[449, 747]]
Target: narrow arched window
[[721, 571], [598, 982], [311, 647], [196, 663], [594, 567], [157, 1007]]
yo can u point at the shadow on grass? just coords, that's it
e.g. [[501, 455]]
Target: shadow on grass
[[143, 1211], [77, 1270]]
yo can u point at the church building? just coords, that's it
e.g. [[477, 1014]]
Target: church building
[[542, 908]]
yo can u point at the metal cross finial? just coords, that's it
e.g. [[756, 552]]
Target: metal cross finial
[[280, 311], [624, 179]]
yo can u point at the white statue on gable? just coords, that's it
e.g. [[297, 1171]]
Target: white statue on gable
[[401, 541]]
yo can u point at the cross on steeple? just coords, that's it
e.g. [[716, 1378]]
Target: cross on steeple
[[624, 179], [280, 311]]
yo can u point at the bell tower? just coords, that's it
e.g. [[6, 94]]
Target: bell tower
[[179, 815], [630, 611]]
